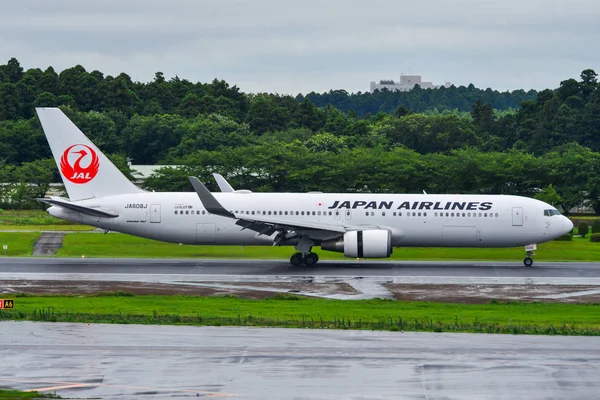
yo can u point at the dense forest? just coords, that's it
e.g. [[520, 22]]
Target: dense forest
[[446, 140]]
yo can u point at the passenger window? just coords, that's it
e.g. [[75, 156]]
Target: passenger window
[[367, 213], [330, 213], [435, 214], [479, 215], [394, 214], [383, 214], [419, 214], [314, 213], [400, 214], [496, 215], [468, 214], [186, 212], [302, 212], [485, 214], [175, 212], [424, 214], [452, 214], [372, 213]]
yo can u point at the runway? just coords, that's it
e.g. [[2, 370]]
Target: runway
[[157, 362], [348, 280], [279, 267]]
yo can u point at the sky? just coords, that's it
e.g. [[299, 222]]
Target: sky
[[286, 47]]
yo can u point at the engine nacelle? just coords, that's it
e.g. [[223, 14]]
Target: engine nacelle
[[373, 243]]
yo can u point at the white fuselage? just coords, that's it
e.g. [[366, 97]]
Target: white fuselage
[[415, 220]]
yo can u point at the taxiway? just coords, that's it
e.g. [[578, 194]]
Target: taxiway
[[129, 362]]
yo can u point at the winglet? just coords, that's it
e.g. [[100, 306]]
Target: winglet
[[209, 202], [223, 184]]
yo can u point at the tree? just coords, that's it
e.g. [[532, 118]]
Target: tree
[[582, 229], [38, 175], [265, 114], [13, 70], [549, 195], [308, 115]]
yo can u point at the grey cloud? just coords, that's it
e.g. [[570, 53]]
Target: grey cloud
[[278, 46]]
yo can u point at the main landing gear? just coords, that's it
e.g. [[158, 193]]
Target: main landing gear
[[304, 255], [307, 259]]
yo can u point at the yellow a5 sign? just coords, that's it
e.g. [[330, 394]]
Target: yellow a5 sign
[[7, 304]]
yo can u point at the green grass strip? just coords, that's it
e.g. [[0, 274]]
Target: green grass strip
[[120, 245], [286, 310], [19, 395], [19, 244]]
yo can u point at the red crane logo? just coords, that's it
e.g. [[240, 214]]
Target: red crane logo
[[74, 171]]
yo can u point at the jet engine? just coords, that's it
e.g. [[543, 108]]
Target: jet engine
[[373, 243]]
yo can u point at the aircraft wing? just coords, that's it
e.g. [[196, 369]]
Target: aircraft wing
[[262, 224], [223, 184]]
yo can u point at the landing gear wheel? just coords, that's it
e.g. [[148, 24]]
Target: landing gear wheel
[[311, 259], [528, 261], [296, 260]]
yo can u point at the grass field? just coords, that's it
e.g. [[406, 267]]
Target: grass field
[[36, 220], [121, 245], [293, 311], [19, 244], [18, 395]]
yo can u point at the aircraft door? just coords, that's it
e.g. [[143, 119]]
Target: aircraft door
[[517, 216], [155, 213]]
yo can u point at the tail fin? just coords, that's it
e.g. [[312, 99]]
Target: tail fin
[[85, 170]]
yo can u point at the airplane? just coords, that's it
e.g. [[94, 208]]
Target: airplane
[[359, 225]]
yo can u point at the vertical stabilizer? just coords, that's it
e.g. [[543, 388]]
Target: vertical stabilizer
[[86, 172]]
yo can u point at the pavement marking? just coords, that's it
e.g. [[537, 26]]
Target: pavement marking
[[570, 294], [53, 388]]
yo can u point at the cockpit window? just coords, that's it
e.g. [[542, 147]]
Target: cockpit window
[[549, 213]]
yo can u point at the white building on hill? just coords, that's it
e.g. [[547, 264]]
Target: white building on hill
[[407, 82]]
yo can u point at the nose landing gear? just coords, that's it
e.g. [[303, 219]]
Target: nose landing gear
[[529, 253]]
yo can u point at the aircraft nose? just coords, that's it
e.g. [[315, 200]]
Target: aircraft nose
[[567, 224]]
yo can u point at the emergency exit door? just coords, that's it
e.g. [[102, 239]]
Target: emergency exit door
[[517, 214], [155, 213]]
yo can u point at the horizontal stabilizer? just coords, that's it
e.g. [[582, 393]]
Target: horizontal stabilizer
[[94, 212]]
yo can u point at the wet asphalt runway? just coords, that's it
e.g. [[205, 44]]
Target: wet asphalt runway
[[279, 267], [160, 362]]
